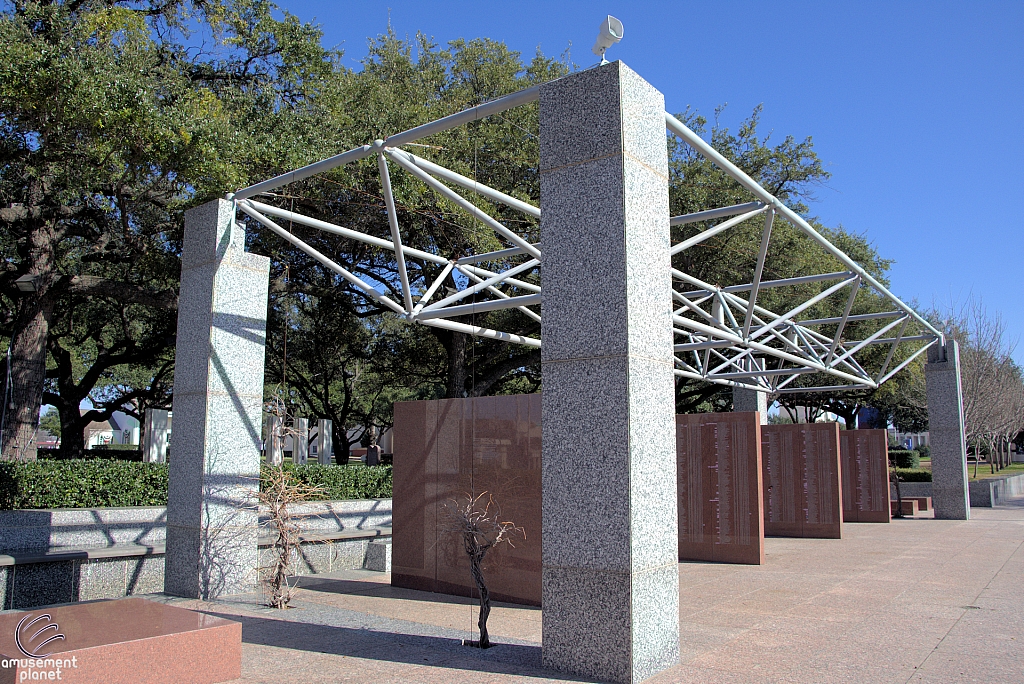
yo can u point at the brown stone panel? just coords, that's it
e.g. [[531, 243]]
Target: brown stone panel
[[719, 487], [414, 537], [864, 455], [487, 444], [802, 480]]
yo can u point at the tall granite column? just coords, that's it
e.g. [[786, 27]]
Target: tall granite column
[[950, 496], [610, 589], [750, 400], [300, 441], [218, 397]]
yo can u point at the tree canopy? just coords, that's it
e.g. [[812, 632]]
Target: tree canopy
[[116, 116]]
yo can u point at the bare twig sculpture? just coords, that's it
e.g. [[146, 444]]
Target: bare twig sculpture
[[482, 529], [279, 491]]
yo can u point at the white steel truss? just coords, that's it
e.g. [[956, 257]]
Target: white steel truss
[[722, 334]]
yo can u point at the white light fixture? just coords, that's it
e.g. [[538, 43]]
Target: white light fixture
[[609, 34]]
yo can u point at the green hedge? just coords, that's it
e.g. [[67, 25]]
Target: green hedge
[[915, 475], [343, 482], [904, 458], [95, 483], [84, 483]]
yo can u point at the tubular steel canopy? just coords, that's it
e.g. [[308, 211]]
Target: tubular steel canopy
[[722, 334]]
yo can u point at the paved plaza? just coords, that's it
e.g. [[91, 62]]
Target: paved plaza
[[918, 600]]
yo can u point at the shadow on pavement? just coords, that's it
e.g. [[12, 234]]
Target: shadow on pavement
[[410, 649]]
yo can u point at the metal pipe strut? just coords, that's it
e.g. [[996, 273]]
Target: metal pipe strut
[[481, 307], [708, 152], [715, 230], [453, 121], [470, 184], [340, 270], [712, 214]]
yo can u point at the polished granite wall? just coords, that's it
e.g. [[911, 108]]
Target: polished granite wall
[[865, 461], [453, 447], [801, 480], [719, 487]]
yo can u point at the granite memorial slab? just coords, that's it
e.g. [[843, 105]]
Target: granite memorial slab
[[453, 447], [802, 480], [865, 460], [719, 487]]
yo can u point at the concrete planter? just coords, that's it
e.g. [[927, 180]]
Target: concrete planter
[[31, 530]]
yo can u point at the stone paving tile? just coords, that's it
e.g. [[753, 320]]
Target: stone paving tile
[[887, 603]]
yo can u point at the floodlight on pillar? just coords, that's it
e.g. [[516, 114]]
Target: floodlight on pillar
[[609, 34]]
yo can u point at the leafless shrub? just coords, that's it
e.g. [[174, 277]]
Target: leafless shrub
[[481, 529], [278, 492]]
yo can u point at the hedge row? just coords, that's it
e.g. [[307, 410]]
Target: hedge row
[[904, 458], [915, 475], [96, 483], [341, 482]]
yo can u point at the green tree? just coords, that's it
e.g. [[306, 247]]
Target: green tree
[[114, 116]]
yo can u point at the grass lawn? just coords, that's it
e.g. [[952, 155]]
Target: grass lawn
[[985, 470]]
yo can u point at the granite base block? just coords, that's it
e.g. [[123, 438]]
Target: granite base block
[[41, 584], [586, 622], [378, 556], [102, 579]]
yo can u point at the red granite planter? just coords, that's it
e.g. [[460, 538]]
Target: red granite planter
[[130, 641]]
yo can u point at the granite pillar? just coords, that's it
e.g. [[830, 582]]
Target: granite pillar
[[746, 400], [950, 496], [154, 439], [274, 444], [300, 441], [218, 402], [324, 441], [610, 586]]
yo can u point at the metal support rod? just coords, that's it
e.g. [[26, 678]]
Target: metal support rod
[[340, 270], [842, 321], [851, 319], [715, 230], [710, 153], [481, 111], [521, 284], [480, 307], [788, 316], [498, 293], [389, 202], [866, 341], [470, 184], [465, 204], [337, 160], [755, 284], [783, 282], [433, 288], [482, 332], [492, 256], [338, 230], [712, 214], [764, 349], [472, 114], [462, 294], [827, 388], [892, 349], [903, 365]]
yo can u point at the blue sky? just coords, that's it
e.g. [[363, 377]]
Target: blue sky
[[916, 108]]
